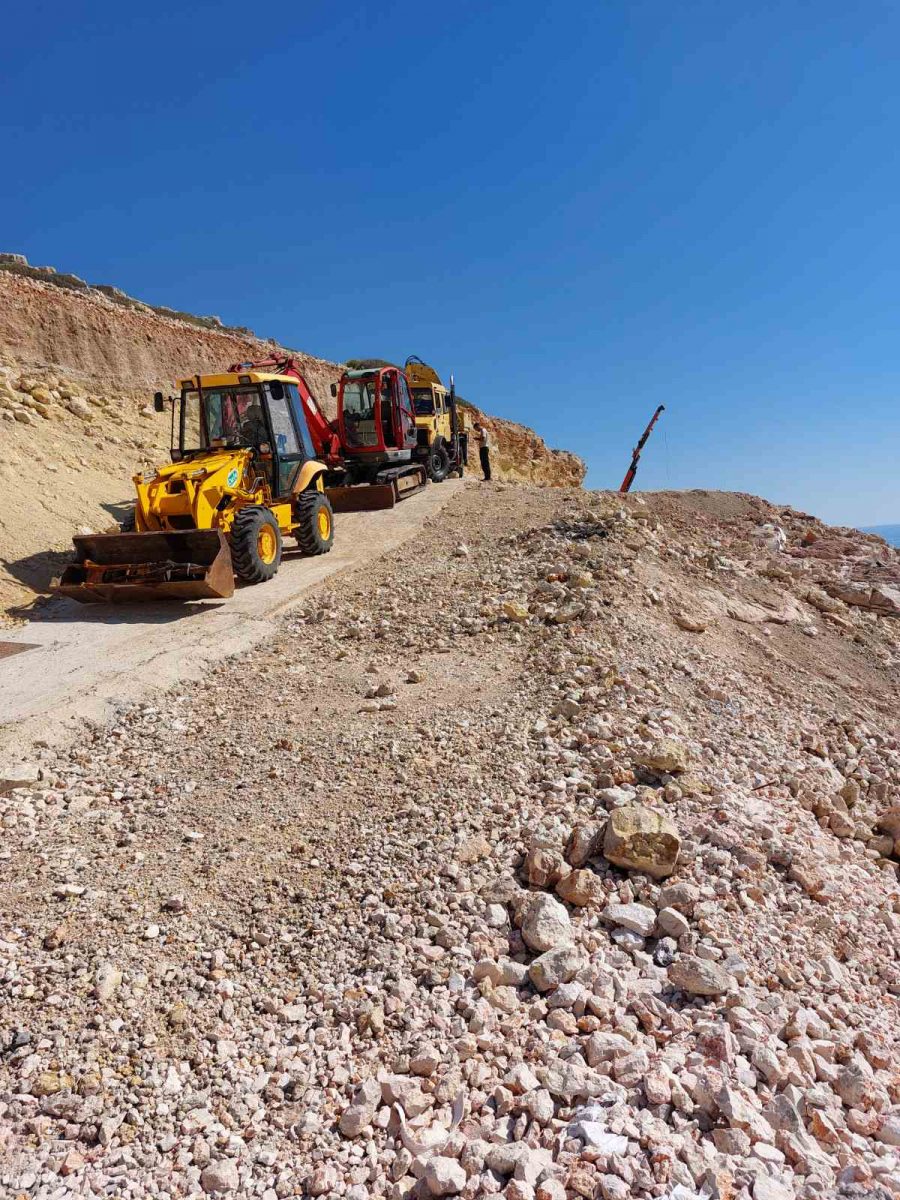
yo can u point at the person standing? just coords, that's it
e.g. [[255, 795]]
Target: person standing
[[483, 438]]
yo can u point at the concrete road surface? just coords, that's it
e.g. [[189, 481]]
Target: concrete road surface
[[86, 658]]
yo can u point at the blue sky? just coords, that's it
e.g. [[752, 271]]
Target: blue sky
[[583, 210]]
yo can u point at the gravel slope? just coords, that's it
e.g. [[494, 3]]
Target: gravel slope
[[365, 913]]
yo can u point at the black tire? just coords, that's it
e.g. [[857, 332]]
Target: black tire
[[438, 464], [315, 523], [252, 530], [128, 524]]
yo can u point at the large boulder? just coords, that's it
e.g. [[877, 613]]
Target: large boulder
[[545, 924], [555, 967], [666, 756], [699, 976], [642, 839], [581, 888]]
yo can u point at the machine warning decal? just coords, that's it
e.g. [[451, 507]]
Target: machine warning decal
[[232, 479]]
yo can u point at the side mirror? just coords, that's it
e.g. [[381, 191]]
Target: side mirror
[[277, 390], [334, 389], [158, 402]]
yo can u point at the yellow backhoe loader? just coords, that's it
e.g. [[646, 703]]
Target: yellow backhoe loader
[[243, 476]]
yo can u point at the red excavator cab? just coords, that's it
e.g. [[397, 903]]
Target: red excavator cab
[[376, 421]]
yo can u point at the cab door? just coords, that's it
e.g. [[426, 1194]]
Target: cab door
[[406, 414], [292, 446], [387, 410]]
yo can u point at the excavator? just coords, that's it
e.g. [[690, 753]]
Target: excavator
[[254, 460], [378, 440]]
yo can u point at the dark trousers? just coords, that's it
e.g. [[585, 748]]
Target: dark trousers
[[485, 455]]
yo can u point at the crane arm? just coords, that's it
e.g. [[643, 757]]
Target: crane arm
[[636, 455]]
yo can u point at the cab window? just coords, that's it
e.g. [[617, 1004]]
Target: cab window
[[282, 426], [423, 401]]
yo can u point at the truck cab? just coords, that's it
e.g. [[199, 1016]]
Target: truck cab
[[440, 425]]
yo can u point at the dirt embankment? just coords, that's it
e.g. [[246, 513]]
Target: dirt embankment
[[109, 344], [521, 456]]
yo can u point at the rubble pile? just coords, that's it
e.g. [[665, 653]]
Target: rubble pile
[[556, 857]]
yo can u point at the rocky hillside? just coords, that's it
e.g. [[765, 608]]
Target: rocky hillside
[[589, 891]]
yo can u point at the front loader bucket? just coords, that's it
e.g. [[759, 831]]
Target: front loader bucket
[[116, 567], [364, 497]]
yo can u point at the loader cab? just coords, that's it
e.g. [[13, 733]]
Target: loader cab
[[375, 415], [262, 413]]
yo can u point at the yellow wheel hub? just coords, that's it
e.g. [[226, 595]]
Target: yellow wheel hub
[[266, 544], [324, 519]]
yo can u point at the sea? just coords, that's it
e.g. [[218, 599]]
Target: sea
[[890, 533]]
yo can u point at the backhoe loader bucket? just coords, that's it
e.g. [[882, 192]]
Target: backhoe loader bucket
[[121, 567]]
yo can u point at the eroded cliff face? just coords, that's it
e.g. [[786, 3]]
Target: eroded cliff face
[[123, 344], [521, 456]]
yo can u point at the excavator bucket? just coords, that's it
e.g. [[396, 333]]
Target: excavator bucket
[[122, 567]]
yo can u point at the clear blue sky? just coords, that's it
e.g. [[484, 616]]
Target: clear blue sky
[[583, 209]]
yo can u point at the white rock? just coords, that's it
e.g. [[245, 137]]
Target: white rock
[[554, 967], [889, 1133], [671, 922], [107, 980], [637, 917], [18, 775], [572, 1081], [546, 925], [360, 1113], [589, 1124], [221, 1176], [699, 977], [444, 1176]]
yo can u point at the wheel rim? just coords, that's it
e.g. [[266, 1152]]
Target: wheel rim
[[266, 544], [324, 521]]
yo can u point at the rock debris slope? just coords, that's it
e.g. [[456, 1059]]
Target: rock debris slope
[[558, 859]]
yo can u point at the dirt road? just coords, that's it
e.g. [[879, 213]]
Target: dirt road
[[82, 659]]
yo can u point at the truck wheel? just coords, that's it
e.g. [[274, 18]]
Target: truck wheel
[[255, 544], [315, 523], [128, 524], [438, 465]]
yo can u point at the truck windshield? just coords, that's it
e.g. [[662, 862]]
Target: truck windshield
[[423, 401], [228, 417]]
